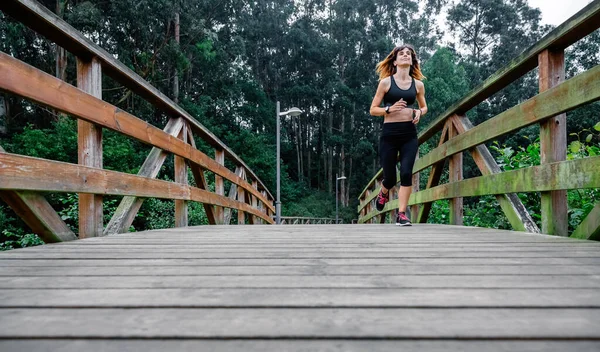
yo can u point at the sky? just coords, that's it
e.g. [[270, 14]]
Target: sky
[[556, 12]]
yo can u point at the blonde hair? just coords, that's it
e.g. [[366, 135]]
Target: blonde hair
[[386, 67]]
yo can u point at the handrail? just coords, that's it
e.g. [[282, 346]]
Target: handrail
[[39, 18], [553, 177], [23, 179]]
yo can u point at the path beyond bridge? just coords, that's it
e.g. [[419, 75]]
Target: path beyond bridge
[[293, 288]]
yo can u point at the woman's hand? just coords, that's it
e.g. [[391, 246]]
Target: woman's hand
[[398, 106], [417, 116]]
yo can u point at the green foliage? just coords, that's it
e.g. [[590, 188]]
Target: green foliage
[[12, 233]]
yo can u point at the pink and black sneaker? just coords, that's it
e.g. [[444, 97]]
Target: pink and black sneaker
[[381, 200], [402, 220]]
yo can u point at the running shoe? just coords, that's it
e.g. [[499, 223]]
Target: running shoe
[[381, 200], [402, 220]]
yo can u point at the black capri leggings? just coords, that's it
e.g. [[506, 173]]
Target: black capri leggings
[[398, 137]]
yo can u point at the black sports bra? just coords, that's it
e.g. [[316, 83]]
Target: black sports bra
[[395, 93]]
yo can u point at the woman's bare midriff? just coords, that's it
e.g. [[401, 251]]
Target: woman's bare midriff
[[399, 116]]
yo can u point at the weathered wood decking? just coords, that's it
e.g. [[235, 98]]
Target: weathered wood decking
[[311, 287]]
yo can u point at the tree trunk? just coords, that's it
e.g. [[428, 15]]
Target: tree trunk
[[349, 176], [308, 153], [61, 54], [320, 150], [330, 153], [297, 130], [4, 114], [176, 71], [342, 161]]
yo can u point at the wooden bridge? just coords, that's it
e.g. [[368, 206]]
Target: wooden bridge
[[322, 287]]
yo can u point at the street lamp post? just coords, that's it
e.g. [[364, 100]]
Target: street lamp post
[[292, 112], [336, 196]]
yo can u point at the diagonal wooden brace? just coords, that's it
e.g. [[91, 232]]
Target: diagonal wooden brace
[[129, 206], [38, 214], [513, 208], [233, 193]]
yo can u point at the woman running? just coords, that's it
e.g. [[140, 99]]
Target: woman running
[[399, 87]]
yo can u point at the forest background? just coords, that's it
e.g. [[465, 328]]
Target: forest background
[[231, 60]]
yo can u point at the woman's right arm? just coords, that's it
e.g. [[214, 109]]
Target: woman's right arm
[[376, 110]]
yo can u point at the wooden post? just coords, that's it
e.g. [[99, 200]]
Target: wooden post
[[241, 197], [368, 205], [253, 218], [553, 144], [456, 174], [219, 187], [181, 206], [89, 142], [414, 209]]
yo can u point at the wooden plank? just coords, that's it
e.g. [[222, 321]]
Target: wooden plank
[[572, 174], [39, 215], [554, 101], [314, 281], [230, 323], [298, 345], [575, 28], [302, 255], [18, 76], [236, 262], [89, 142], [510, 203], [288, 298], [455, 166], [129, 206], [46, 23], [294, 270], [181, 177], [41, 174], [589, 228], [553, 145]]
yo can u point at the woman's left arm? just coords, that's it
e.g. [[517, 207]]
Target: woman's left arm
[[421, 100]]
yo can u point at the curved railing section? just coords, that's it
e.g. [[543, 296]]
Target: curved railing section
[[23, 179], [552, 177], [298, 220]]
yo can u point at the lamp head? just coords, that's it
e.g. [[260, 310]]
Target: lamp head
[[292, 112]]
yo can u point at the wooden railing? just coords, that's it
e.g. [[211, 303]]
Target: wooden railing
[[297, 220], [552, 177], [22, 178]]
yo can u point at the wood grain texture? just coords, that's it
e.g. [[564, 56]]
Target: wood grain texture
[[573, 174], [553, 145], [89, 143], [338, 285]]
